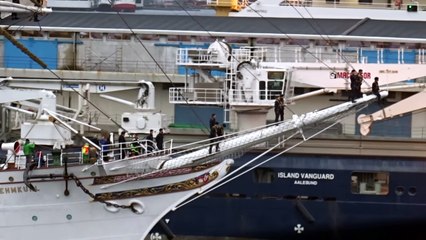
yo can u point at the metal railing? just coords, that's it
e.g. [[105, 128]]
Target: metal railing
[[209, 96]]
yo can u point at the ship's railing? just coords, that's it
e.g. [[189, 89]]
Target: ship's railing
[[136, 147], [215, 96], [262, 97], [314, 54], [111, 152], [212, 96], [197, 56], [48, 159]]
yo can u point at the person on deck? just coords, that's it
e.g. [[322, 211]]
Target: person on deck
[[85, 150], [360, 80], [354, 92], [135, 147], [105, 142], [122, 142], [220, 133], [213, 135], [375, 88], [212, 120], [150, 141], [29, 151], [159, 139], [279, 108]]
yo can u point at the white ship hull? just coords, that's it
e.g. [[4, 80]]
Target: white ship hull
[[49, 214]]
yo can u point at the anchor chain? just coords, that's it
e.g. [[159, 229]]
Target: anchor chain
[[85, 190]]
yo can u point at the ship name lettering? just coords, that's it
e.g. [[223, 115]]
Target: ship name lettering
[[288, 175], [326, 176], [305, 182], [346, 75], [14, 190]]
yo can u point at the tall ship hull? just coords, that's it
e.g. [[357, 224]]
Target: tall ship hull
[[79, 205]]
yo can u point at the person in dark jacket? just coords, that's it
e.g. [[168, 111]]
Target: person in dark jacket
[[150, 141], [354, 79], [212, 120], [122, 142], [159, 139], [279, 108], [105, 145], [375, 88], [213, 135], [220, 133]]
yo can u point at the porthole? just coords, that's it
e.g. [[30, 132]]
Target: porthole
[[35, 218], [412, 191], [399, 190], [69, 216], [11, 179], [93, 174]]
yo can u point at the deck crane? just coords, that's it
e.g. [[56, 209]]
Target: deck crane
[[144, 118], [407, 105], [40, 129]]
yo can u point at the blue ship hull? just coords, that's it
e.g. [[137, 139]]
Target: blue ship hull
[[313, 196]]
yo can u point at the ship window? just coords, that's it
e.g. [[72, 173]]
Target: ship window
[[264, 175], [275, 85], [275, 88], [262, 90], [274, 75], [372, 183]]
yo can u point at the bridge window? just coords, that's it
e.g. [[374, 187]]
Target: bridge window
[[371, 183], [275, 75], [271, 90]]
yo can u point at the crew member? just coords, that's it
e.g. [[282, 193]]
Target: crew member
[[29, 151], [375, 88], [85, 152], [279, 108]]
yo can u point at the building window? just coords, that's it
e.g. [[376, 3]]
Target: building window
[[372, 183]]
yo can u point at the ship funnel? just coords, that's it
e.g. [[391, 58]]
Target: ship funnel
[[12, 147]]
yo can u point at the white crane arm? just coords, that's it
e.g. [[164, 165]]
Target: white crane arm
[[407, 105]]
